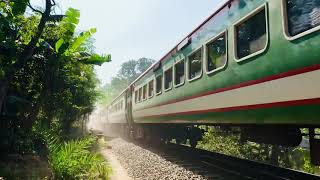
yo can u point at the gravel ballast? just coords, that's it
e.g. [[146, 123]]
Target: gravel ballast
[[143, 164]]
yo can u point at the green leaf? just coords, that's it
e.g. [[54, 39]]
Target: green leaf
[[81, 39], [59, 44], [71, 19], [93, 30], [96, 59], [73, 16], [19, 7]]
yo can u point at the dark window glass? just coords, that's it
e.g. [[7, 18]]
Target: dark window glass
[[144, 92], [216, 53], [179, 72], [251, 35], [140, 94], [158, 84], [168, 79], [136, 96], [195, 62], [302, 15], [151, 87]]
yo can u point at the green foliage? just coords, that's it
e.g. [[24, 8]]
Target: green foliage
[[214, 142], [296, 158], [71, 20], [59, 43], [128, 72], [77, 47], [47, 80], [95, 59], [80, 39], [74, 159], [19, 7]]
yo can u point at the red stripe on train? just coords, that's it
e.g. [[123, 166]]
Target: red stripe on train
[[248, 83]]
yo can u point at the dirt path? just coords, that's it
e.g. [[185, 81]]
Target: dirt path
[[118, 172]]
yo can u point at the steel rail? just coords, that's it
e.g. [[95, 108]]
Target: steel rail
[[242, 168]]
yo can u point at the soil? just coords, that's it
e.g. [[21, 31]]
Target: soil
[[118, 172], [27, 166]]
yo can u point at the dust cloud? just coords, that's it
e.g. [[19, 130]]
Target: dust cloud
[[97, 123]]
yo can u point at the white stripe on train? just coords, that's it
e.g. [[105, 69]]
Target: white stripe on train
[[296, 87]]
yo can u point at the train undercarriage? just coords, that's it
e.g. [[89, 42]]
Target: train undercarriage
[[190, 133]]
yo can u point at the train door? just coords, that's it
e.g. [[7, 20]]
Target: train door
[[129, 106]]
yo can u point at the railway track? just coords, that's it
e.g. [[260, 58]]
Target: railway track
[[218, 166]]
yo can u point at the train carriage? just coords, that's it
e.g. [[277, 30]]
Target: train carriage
[[252, 64], [117, 110]]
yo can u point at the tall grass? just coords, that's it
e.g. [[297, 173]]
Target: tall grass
[[74, 160]]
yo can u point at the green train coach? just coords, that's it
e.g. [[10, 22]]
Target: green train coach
[[253, 64]]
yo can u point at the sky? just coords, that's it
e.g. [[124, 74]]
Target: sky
[[131, 29]]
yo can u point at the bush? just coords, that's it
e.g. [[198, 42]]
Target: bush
[[74, 160], [290, 157]]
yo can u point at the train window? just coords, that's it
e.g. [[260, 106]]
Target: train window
[[179, 73], [168, 79], [150, 88], [136, 96], [195, 64], [251, 34], [216, 53], [144, 97], [302, 16], [158, 84], [140, 94]]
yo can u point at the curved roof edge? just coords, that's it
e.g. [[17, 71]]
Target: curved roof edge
[[220, 7]]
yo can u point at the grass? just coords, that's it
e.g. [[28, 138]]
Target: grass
[[75, 159]]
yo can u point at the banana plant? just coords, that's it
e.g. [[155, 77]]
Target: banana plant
[[72, 48]]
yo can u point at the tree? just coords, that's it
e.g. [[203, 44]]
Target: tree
[[46, 70], [131, 69], [128, 72], [19, 43], [12, 11]]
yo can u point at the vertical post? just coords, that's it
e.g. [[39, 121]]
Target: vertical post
[[314, 147]]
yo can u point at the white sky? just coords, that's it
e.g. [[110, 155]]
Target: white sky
[[131, 29]]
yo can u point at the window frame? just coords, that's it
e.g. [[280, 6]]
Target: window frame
[[174, 73], [188, 67], [225, 33], [164, 78], [286, 27], [161, 89], [149, 97], [146, 97], [245, 18]]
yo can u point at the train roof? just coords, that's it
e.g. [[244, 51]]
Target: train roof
[[224, 4]]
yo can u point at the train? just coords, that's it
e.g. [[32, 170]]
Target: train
[[253, 64]]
